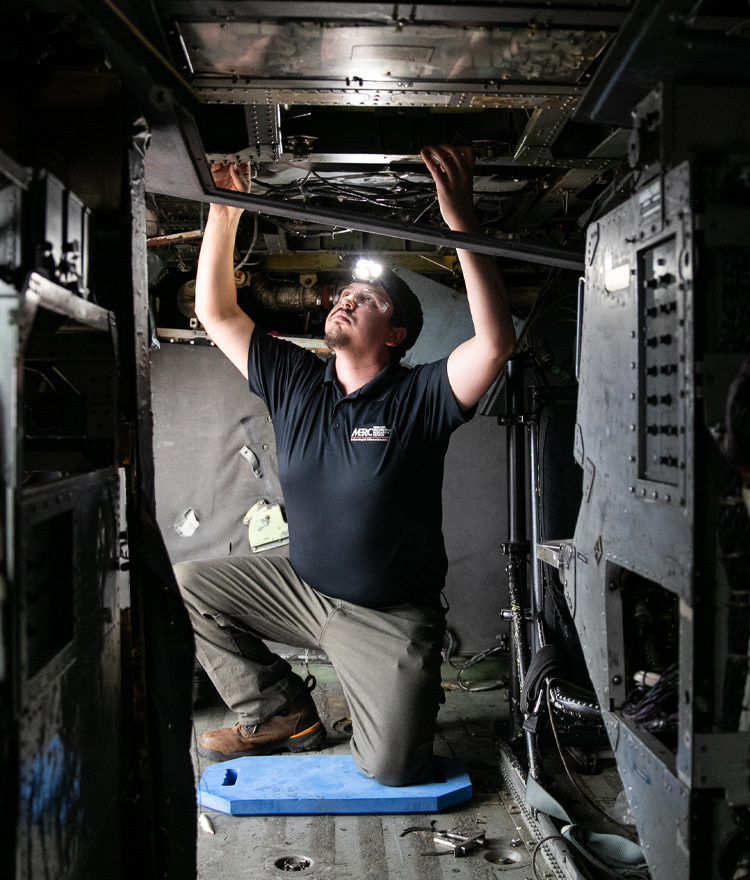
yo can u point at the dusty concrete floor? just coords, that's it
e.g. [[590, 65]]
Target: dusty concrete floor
[[370, 847]]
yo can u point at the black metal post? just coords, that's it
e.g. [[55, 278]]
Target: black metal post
[[516, 550]]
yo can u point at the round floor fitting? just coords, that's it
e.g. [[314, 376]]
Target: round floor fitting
[[505, 857], [293, 863]]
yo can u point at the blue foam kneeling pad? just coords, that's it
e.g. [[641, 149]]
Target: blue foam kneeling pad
[[305, 784]]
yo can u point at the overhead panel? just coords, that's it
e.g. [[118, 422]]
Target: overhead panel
[[455, 72], [375, 62], [372, 54], [411, 93]]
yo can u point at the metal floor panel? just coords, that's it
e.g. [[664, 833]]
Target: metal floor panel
[[370, 847]]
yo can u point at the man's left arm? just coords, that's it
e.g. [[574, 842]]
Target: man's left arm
[[475, 364]]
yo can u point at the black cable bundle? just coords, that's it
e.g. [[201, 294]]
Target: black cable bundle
[[655, 709]]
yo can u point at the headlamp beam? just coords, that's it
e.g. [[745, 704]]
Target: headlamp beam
[[367, 270]]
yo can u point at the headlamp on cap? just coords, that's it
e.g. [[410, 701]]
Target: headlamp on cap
[[367, 271], [407, 311]]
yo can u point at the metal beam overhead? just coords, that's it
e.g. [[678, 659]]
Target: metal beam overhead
[[141, 65], [541, 131], [389, 13], [519, 88], [546, 255], [662, 41]]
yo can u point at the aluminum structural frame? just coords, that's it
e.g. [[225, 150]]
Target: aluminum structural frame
[[176, 143], [176, 161]]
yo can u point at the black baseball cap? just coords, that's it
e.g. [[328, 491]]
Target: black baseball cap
[[407, 310]]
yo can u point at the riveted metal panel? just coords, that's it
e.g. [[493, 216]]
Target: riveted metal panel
[[664, 333], [634, 413], [401, 93], [659, 802], [387, 53]]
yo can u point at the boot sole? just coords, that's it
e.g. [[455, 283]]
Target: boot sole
[[301, 742]]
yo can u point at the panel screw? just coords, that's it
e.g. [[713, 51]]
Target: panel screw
[[617, 679]]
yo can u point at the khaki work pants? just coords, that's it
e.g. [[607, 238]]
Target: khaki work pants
[[387, 660]]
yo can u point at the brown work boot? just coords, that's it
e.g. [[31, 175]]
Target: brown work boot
[[297, 728]]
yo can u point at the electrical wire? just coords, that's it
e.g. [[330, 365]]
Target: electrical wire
[[691, 16], [408, 188], [737, 28], [419, 216], [433, 262], [540, 305], [449, 650], [486, 686], [473, 661], [311, 231], [409, 201], [404, 195], [537, 875], [556, 323], [45, 378], [542, 309], [250, 249], [590, 801], [652, 710]]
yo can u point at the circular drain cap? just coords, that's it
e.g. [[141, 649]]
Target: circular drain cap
[[292, 863]]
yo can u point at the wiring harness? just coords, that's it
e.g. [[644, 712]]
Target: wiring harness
[[655, 708], [473, 661]]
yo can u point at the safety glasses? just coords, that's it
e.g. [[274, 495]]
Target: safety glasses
[[365, 299]]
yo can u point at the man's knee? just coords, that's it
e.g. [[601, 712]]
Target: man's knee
[[188, 581], [396, 777], [396, 769], [183, 574]]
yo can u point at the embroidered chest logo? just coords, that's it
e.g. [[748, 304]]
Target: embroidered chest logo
[[376, 432]]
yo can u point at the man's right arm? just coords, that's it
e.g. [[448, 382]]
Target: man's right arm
[[215, 291]]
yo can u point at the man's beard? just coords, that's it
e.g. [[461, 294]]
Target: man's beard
[[336, 337]]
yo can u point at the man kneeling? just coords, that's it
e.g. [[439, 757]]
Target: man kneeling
[[369, 436]]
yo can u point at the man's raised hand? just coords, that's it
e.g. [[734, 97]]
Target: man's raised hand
[[233, 176], [452, 169]]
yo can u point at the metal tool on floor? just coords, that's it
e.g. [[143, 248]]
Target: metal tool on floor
[[459, 843]]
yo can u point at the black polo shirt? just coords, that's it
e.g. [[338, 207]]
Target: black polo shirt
[[361, 474]]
